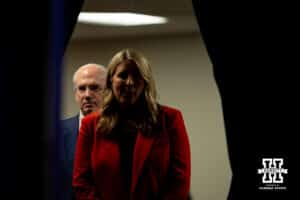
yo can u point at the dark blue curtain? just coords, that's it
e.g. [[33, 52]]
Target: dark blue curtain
[[34, 36], [246, 42]]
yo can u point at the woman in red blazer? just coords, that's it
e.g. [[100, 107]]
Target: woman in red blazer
[[134, 148]]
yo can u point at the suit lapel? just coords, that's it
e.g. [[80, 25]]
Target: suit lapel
[[70, 133], [76, 126], [141, 151]]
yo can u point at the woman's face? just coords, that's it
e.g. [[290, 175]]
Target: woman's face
[[127, 84]]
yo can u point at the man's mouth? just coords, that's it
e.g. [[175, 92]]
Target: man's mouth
[[88, 104]]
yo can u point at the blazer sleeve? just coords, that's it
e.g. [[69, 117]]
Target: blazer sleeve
[[83, 181], [178, 181]]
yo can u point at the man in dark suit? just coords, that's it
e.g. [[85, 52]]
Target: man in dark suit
[[88, 84]]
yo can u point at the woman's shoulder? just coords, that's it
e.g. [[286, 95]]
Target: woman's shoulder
[[171, 116], [169, 110], [92, 116]]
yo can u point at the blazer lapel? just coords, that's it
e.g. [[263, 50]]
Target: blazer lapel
[[141, 151]]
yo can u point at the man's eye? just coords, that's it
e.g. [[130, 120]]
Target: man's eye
[[81, 88], [94, 87]]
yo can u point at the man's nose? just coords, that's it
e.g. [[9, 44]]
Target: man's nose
[[87, 92]]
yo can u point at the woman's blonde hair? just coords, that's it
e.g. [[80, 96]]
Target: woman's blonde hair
[[109, 110]]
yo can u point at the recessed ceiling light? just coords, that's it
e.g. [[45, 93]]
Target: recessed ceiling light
[[119, 19]]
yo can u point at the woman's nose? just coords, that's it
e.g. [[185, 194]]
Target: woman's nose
[[130, 80]]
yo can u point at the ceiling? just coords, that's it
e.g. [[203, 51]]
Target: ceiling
[[179, 13]]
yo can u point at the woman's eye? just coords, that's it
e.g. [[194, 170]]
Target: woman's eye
[[122, 75]]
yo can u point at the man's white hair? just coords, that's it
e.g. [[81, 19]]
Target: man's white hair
[[100, 67]]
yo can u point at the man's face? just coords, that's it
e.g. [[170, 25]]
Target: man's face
[[89, 84]]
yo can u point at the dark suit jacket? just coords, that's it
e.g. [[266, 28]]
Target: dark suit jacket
[[67, 149], [161, 164]]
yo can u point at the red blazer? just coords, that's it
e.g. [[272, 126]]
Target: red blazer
[[161, 164]]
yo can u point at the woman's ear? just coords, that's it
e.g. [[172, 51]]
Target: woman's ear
[[110, 80]]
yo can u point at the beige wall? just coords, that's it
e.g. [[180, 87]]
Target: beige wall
[[184, 80]]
